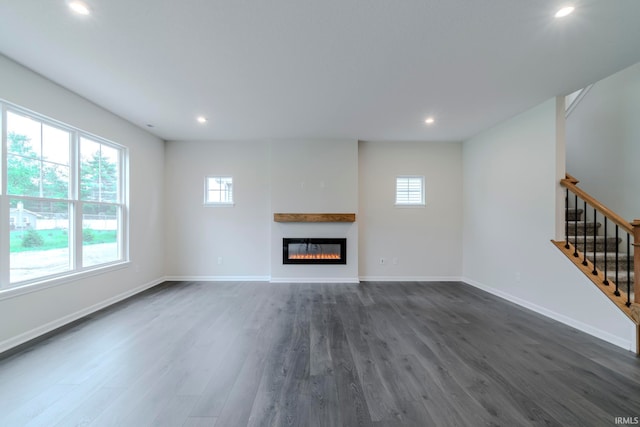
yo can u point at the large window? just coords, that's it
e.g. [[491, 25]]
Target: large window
[[63, 204]]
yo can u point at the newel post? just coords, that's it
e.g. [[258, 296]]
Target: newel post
[[636, 260], [635, 307]]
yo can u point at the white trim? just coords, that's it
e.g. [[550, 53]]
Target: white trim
[[410, 279], [263, 279], [218, 205], [598, 333], [408, 206], [35, 285], [48, 327], [315, 280], [218, 278]]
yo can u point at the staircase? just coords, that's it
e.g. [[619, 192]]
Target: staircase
[[598, 248], [601, 244]]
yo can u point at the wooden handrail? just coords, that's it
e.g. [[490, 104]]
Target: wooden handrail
[[571, 179], [570, 183]]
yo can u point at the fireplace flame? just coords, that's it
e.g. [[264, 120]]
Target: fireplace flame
[[314, 256]]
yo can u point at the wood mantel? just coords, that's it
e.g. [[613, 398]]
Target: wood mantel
[[314, 217]]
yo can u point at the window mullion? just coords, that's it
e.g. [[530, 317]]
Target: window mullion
[[4, 241], [3, 150], [123, 199], [75, 206], [41, 162], [4, 203], [100, 175]]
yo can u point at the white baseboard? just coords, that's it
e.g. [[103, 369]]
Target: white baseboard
[[218, 278], [410, 279], [48, 327], [598, 333], [314, 280]]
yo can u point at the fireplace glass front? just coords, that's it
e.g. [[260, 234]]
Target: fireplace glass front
[[314, 251]]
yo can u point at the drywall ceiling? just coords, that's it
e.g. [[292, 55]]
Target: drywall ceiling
[[361, 69]]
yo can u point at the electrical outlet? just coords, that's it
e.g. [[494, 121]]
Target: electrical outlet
[[381, 261], [219, 260]]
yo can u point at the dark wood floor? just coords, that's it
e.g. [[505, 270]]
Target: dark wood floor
[[259, 354]]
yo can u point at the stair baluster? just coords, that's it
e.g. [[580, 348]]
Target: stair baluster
[[566, 219], [628, 270], [584, 232], [595, 232], [575, 228], [606, 258], [617, 292]]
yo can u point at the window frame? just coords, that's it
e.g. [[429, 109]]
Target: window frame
[[74, 202], [209, 203], [120, 204], [406, 204]]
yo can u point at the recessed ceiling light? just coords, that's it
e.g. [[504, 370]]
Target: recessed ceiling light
[[564, 11], [202, 119], [79, 7], [429, 120]]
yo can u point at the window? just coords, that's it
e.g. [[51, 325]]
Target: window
[[62, 200], [410, 191], [218, 190], [101, 201]]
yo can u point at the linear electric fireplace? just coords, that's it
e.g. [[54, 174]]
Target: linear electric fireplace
[[314, 251]]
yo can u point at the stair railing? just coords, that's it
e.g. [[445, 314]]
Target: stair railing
[[610, 269]]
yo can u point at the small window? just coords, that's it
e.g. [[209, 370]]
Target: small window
[[218, 190], [410, 191]]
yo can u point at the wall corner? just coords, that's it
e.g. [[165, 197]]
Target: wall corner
[[560, 141]]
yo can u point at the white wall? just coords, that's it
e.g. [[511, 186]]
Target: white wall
[[314, 176], [268, 176], [423, 243], [197, 236], [25, 316], [510, 203], [603, 142]]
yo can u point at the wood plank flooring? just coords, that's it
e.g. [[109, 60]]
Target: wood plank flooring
[[374, 354]]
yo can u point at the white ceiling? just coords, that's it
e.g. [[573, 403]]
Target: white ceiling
[[360, 69]]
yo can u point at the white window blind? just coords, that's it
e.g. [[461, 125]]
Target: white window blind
[[410, 191]]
